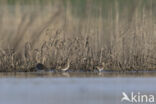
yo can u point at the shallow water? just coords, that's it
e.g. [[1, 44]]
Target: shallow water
[[76, 74], [80, 88]]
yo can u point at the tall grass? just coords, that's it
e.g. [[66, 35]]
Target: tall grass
[[119, 34]]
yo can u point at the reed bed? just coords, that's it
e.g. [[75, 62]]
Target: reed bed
[[122, 38]]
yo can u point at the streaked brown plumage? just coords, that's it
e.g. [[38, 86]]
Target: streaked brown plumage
[[65, 67], [100, 67]]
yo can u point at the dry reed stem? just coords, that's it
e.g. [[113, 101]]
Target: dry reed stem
[[54, 35]]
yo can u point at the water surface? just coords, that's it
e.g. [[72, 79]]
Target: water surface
[[72, 88]]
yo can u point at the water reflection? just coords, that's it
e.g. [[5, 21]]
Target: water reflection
[[71, 90], [87, 88], [76, 74]]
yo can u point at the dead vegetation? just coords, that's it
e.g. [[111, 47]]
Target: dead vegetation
[[53, 36]]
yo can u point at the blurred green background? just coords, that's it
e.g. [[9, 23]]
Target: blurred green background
[[80, 7]]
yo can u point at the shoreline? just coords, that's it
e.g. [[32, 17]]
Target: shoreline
[[77, 74]]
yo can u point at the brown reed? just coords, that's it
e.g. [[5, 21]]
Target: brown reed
[[55, 35]]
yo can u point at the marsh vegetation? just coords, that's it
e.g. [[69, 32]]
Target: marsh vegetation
[[121, 34]]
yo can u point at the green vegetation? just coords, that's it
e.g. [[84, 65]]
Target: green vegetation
[[121, 34]]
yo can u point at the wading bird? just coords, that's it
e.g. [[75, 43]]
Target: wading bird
[[65, 67], [40, 67], [100, 67]]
